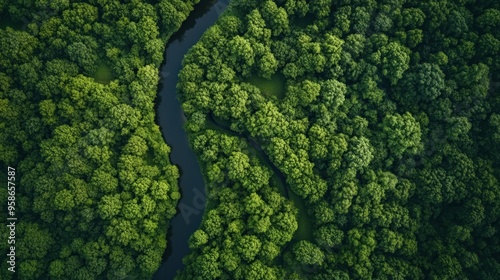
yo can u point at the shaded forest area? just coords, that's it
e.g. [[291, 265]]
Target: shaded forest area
[[96, 189], [384, 117]]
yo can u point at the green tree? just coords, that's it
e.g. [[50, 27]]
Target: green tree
[[394, 60], [110, 206], [248, 247], [276, 17], [242, 55], [307, 253], [361, 153], [329, 236], [198, 239], [402, 133]]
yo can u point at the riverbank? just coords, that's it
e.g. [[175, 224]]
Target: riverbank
[[170, 118]]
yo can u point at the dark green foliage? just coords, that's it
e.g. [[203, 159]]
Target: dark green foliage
[[95, 188]]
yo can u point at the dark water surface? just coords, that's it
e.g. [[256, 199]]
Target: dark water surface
[[171, 119]]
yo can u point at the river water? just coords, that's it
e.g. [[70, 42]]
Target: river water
[[171, 119]]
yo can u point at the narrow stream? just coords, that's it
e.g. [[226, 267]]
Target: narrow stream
[[171, 119]]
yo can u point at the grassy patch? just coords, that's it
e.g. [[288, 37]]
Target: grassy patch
[[273, 88], [304, 230], [103, 74]]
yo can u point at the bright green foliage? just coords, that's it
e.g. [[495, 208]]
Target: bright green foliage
[[402, 133], [248, 247], [387, 133], [198, 239]]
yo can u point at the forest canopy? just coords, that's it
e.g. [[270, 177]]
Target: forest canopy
[[338, 139], [95, 187], [379, 153]]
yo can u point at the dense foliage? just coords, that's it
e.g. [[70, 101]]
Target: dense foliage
[[95, 187], [387, 128]]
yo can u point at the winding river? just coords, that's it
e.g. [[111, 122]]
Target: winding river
[[171, 119]]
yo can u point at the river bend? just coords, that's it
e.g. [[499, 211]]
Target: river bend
[[170, 118]]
